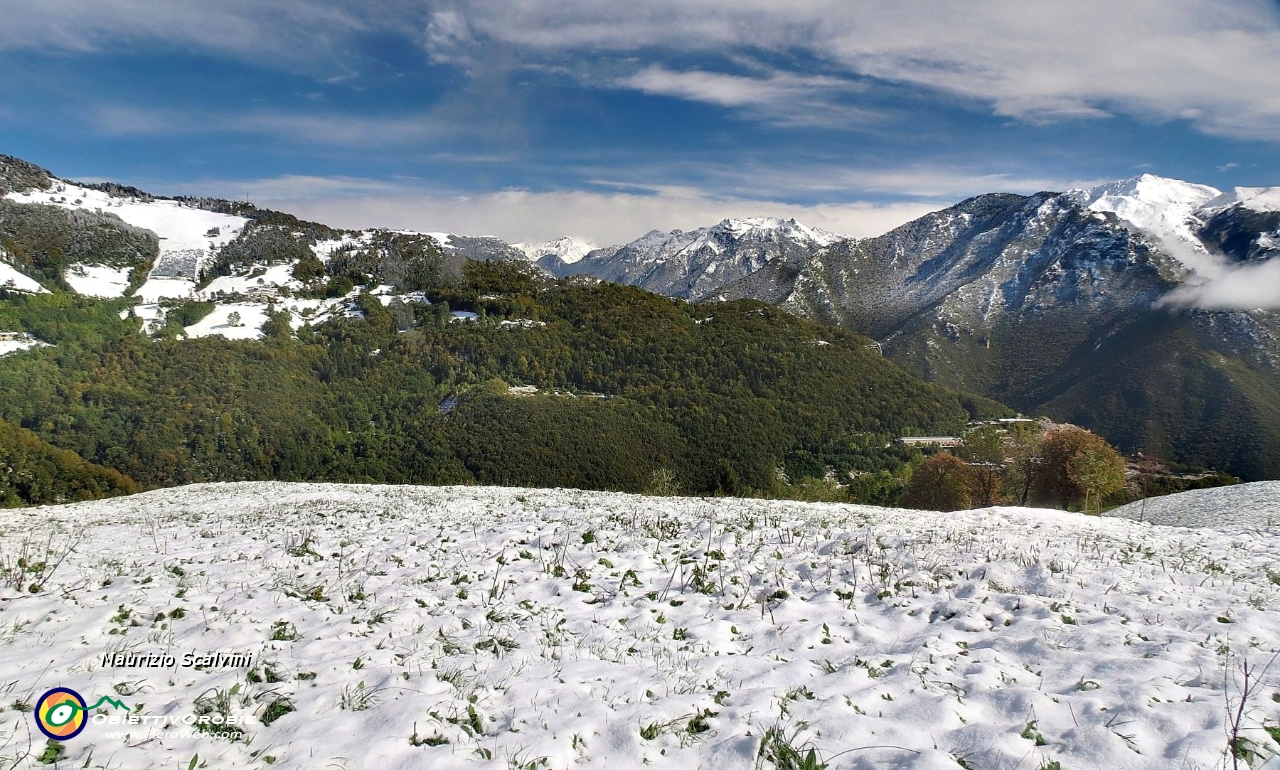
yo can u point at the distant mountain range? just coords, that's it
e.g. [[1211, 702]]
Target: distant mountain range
[[1059, 304], [1103, 307]]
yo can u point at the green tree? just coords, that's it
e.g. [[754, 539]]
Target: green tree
[[1076, 465], [984, 450], [1023, 453], [876, 488], [940, 484], [1098, 470], [309, 268]]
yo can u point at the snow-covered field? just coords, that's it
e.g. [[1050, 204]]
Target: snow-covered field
[[273, 276], [1243, 506], [98, 280], [156, 289], [411, 627], [248, 327]]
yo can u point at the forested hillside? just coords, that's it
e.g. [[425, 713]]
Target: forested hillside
[[631, 387], [34, 473]]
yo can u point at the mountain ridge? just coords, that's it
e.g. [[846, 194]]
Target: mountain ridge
[[1041, 301]]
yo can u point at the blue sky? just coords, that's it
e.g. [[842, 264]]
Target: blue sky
[[532, 119]]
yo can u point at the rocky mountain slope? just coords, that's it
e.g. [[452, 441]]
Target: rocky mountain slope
[[1053, 303], [695, 264]]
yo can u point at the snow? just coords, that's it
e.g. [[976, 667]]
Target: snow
[[568, 248], [151, 314], [1156, 205], [1256, 198], [317, 311], [155, 289], [97, 280], [656, 247], [254, 277], [13, 346], [788, 228], [324, 249], [179, 227], [610, 630], [252, 317], [1242, 506], [10, 278]]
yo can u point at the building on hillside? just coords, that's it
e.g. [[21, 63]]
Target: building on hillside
[[14, 337], [263, 293], [946, 442]]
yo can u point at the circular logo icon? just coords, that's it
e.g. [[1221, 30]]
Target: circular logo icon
[[61, 713]]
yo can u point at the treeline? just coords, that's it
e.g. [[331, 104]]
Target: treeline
[[1063, 467], [34, 473], [636, 392], [1023, 464]]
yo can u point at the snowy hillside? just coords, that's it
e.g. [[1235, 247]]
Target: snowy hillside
[[188, 236], [1255, 198], [1243, 506], [408, 627], [8, 346]]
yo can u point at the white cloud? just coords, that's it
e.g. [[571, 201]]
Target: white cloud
[[1218, 284], [1212, 64], [932, 182], [520, 215], [779, 97], [447, 33], [308, 35]]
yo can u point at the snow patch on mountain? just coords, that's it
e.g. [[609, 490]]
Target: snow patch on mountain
[[8, 346], [272, 277], [97, 280], [11, 279], [698, 263], [1256, 198], [785, 228], [156, 289], [237, 321]]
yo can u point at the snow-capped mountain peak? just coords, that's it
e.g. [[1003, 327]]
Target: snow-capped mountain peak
[[696, 263], [786, 228], [1162, 207], [567, 248]]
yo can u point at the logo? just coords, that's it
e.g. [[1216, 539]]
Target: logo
[[61, 713]]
